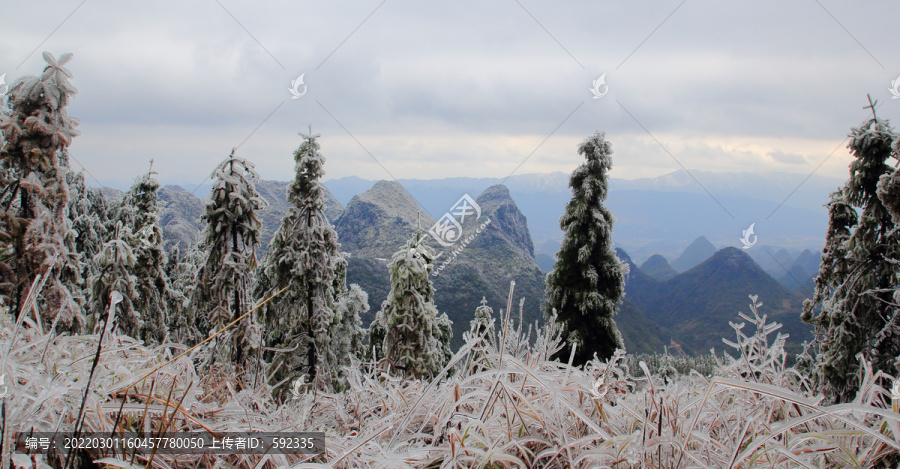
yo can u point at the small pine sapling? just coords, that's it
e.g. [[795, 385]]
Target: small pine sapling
[[416, 340]]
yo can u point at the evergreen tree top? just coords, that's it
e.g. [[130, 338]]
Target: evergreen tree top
[[306, 190], [484, 311], [872, 144], [143, 193], [588, 181], [234, 202], [39, 114], [51, 90], [483, 318], [415, 257]]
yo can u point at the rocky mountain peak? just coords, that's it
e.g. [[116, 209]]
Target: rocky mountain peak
[[391, 197], [506, 218], [377, 222]]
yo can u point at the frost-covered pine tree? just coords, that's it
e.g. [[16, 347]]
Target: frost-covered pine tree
[[483, 322], [305, 257], [87, 213], [481, 328], [857, 283], [139, 211], [36, 130], [588, 280], [222, 288], [182, 272], [376, 332], [346, 335], [113, 272], [416, 340]]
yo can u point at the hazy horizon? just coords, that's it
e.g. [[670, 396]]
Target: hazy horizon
[[123, 185]]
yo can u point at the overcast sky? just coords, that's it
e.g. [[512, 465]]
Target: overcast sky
[[413, 89]]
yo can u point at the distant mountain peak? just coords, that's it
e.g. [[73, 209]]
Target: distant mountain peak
[[506, 218], [698, 251], [655, 261], [390, 195], [701, 241], [658, 267], [734, 257], [495, 192], [377, 222]]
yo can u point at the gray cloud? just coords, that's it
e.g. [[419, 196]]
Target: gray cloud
[[788, 158], [462, 88]]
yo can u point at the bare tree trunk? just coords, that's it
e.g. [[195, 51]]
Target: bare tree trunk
[[311, 352]]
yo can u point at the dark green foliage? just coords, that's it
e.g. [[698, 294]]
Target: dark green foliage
[[588, 280], [639, 333], [857, 283]]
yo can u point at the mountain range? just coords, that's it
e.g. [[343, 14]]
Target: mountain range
[[686, 304], [653, 215], [692, 309]]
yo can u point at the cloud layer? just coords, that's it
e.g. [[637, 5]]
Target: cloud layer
[[423, 90]]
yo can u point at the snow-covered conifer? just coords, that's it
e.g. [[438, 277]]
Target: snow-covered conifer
[[305, 256], [87, 215], [182, 272], [483, 322], [857, 282], [347, 335], [114, 266], [481, 328], [222, 289], [376, 332], [588, 280], [416, 340], [139, 211], [34, 194]]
